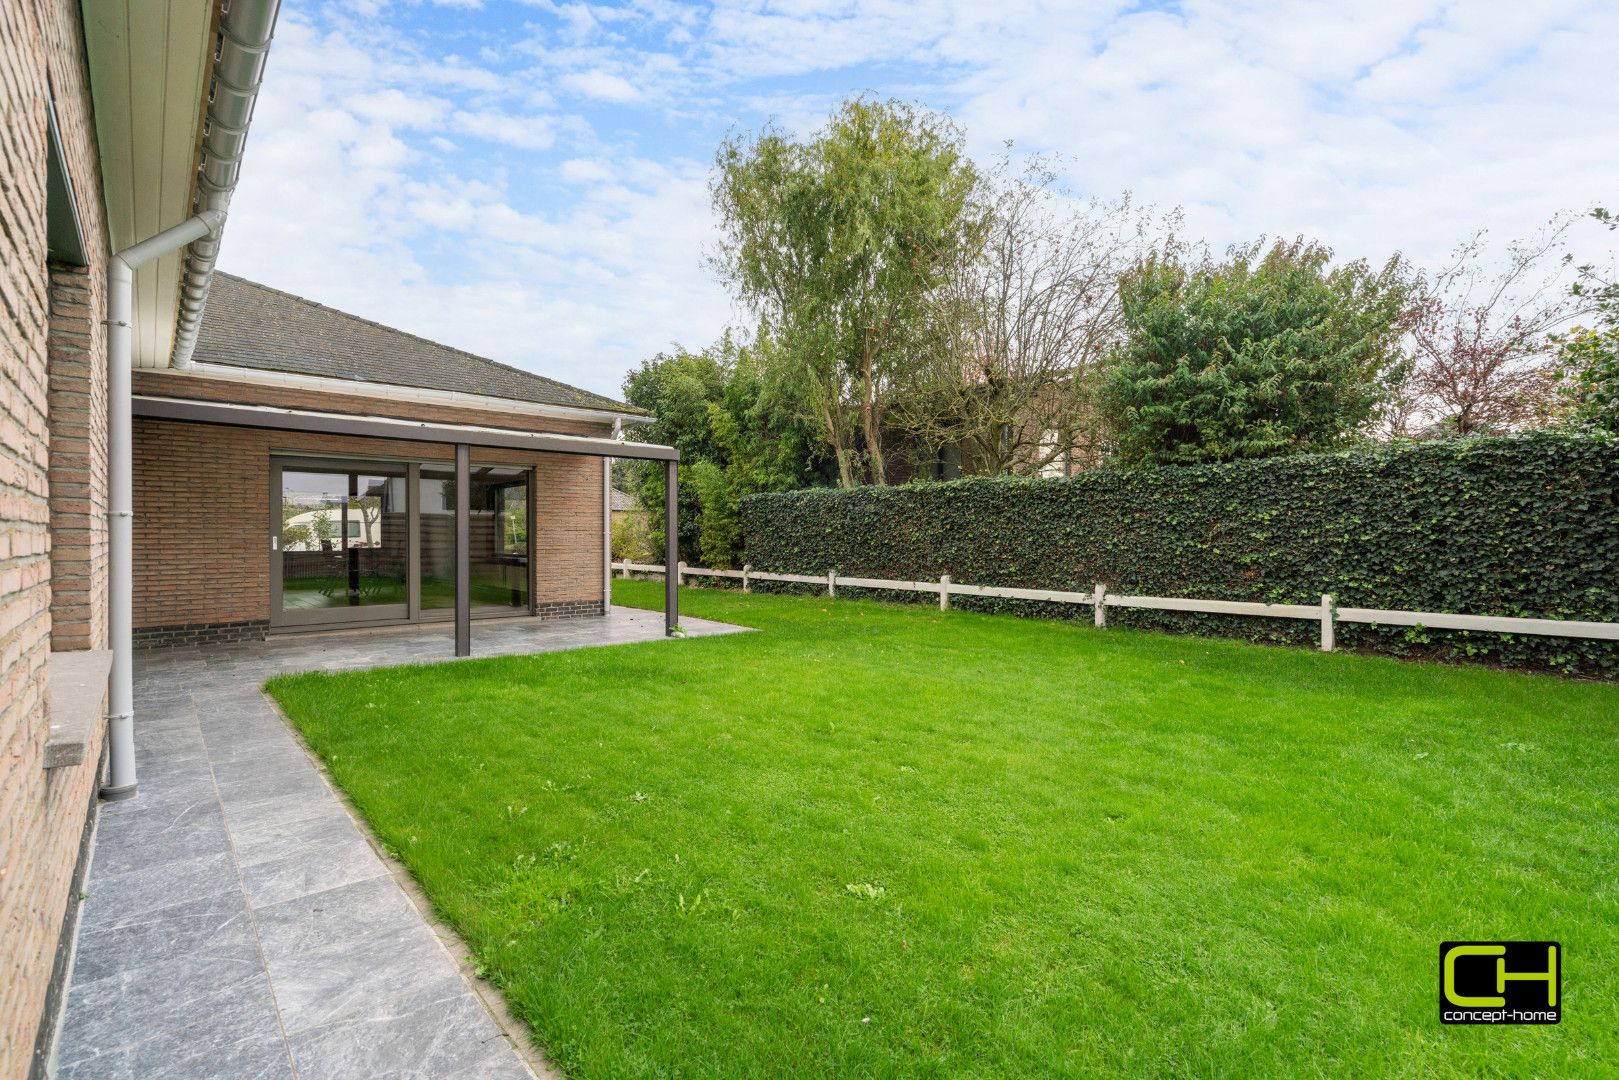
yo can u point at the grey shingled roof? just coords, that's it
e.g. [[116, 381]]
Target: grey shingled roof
[[248, 325]]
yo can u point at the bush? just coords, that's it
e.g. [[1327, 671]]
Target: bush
[[632, 539], [1525, 525], [1269, 353]]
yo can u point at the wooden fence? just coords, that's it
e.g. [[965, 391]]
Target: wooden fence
[[1327, 613]]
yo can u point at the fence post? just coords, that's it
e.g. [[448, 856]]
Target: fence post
[[944, 592], [624, 571], [680, 573], [1329, 612], [831, 584], [1099, 596], [747, 568]]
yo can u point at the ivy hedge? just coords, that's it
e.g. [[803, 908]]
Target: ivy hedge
[[1524, 525]]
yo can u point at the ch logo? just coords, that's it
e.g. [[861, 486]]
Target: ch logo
[[1499, 982]]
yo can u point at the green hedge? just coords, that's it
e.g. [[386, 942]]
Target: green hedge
[[1526, 525]]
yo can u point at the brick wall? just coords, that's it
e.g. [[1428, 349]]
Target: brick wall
[[78, 422], [202, 509], [24, 545], [42, 814]]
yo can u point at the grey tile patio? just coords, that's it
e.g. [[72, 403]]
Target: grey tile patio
[[238, 923]]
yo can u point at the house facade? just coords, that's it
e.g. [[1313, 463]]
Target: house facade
[[243, 531], [189, 458]]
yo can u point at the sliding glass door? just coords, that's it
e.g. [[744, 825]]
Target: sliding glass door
[[365, 542], [343, 546]]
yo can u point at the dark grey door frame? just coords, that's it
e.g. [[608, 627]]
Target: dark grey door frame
[[280, 618], [671, 547], [463, 550]]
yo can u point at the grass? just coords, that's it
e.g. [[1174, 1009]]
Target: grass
[[332, 592], [882, 841]]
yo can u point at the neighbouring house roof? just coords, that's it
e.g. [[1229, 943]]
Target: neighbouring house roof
[[623, 500], [248, 325]]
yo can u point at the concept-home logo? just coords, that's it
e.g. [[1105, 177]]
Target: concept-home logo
[[1500, 982]]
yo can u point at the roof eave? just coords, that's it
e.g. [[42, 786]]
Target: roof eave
[[413, 394]]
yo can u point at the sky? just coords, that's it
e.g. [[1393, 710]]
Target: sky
[[528, 180]]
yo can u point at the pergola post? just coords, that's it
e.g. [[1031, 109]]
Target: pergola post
[[463, 549], [671, 548]]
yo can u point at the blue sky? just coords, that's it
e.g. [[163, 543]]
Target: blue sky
[[528, 180]]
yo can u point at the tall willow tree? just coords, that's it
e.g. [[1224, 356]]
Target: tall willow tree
[[836, 245]]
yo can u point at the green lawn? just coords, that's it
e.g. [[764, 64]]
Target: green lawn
[[879, 840]]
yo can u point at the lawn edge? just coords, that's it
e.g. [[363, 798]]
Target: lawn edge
[[517, 1034]]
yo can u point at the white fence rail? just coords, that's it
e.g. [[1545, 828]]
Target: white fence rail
[[1099, 600]]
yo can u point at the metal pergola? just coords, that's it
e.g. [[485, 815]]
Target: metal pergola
[[461, 436]]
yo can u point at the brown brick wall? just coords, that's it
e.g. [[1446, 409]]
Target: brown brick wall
[[202, 507], [42, 814], [78, 421]]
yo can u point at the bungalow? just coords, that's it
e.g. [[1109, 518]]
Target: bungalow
[[329, 524], [191, 457]]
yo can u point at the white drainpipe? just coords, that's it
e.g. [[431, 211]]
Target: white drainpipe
[[121, 482], [607, 523], [245, 29]]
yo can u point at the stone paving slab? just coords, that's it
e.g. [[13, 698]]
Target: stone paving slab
[[238, 924]]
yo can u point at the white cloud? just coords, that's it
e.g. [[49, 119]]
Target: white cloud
[[601, 85], [354, 194], [398, 109], [526, 132], [450, 196], [582, 171]]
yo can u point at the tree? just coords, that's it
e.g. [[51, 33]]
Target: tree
[[1588, 356], [321, 528], [1262, 354], [836, 244], [1480, 341], [1023, 326], [734, 437]]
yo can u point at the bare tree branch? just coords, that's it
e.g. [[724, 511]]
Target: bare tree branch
[[1479, 339], [1023, 325]]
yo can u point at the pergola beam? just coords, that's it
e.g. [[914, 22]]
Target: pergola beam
[[185, 411]]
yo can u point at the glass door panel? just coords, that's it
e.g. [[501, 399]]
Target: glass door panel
[[498, 528], [343, 548], [436, 517]]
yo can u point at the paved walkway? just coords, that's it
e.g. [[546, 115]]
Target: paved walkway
[[237, 924]]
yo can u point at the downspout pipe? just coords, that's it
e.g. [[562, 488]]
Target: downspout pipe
[[607, 523], [245, 30], [121, 484]]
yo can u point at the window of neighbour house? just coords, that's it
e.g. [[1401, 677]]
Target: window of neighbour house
[[1058, 463]]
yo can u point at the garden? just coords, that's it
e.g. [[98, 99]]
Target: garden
[[882, 840]]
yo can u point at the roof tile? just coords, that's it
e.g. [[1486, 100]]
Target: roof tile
[[248, 325]]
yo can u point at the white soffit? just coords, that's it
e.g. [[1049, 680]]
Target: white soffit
[[150, 66]]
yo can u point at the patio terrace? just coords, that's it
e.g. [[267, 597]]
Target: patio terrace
[[238, 923]]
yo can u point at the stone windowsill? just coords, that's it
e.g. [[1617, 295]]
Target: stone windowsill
[[78, 690]]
